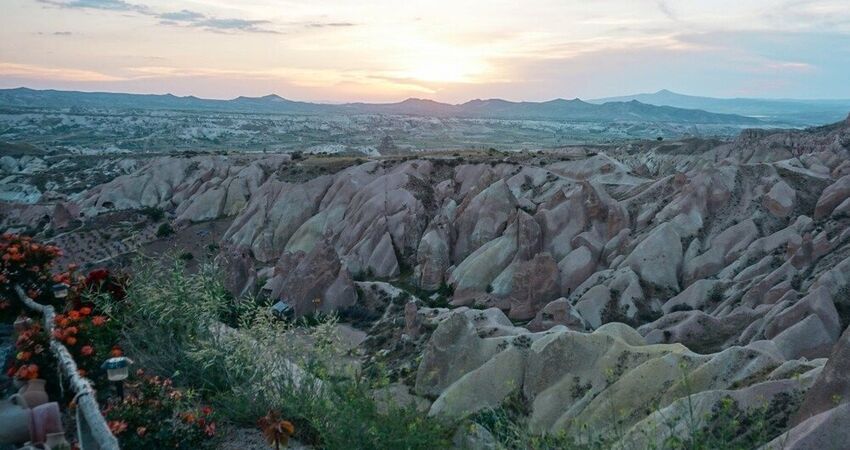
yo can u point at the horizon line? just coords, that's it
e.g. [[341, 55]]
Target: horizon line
[[611, 98]]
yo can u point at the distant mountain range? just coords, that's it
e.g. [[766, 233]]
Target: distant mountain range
[[560, 109], [782, 111]]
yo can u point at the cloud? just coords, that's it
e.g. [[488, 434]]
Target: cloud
[[106, 5], [330, 24], [51, 73], [184, 17], [253, 26], [666, 10]]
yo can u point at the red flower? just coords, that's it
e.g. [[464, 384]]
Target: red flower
[[116, 352], [97, 275], [210, 429], [87, 350], [71, 340], [85, 310], [27, 372], [74, 315], [98, 320], [117, 426]]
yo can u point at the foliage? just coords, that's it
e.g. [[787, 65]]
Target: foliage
[[32, 355], [26, 263], [276, 430], [156, 415], [173, 323], [164, 230]]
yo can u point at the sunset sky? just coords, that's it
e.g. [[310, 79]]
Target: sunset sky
[[388, 50]]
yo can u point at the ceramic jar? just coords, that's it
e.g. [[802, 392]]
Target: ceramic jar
[[33, 392]]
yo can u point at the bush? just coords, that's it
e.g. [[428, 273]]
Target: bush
[[26, 263], [174, 326], [153, 213], [715, 295], [156, 415], [164, 230]]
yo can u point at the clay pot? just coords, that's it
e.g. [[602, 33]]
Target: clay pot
[[15, 419], [45, 419], [33, 392]]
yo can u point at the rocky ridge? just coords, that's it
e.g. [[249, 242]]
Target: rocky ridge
[[673, 279]]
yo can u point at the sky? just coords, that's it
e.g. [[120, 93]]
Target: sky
[[446, 50]]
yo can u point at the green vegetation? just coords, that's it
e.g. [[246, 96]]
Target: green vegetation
[[175, 326], [164, 230]]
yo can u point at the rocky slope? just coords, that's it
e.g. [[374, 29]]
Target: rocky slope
[[628, 278]]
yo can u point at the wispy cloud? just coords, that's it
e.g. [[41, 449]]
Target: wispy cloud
[[53, 73], [107, 5], [184, 17], [330, 24], [665, 9]]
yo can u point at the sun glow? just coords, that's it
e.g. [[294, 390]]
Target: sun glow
[[446, 71]]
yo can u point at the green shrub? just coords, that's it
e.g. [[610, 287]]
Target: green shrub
[[174, 326], [164, 230], [153, 213]]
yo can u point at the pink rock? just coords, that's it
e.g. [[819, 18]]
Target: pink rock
[[832, 196]]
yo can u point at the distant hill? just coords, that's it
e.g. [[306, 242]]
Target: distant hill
[[785, 111], [559, 109]]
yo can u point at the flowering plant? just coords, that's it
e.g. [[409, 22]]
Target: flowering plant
[[155, 414], [90, 337], [26, 263], [32, 359], [276, 430]]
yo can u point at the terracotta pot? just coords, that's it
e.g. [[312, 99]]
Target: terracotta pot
[[15, 419], [33, 392], [45, 419]]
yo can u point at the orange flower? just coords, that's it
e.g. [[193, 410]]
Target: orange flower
[[116, 352], [71, 330], [188, 417], [71, 340], [98, 320], [27, 372], [74, 315], [87, 350], [85, 310], [117, 426]]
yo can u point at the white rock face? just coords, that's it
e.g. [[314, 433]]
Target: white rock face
[[658, 258]]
